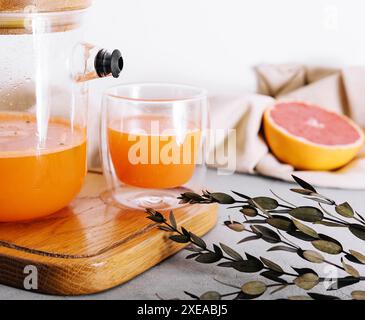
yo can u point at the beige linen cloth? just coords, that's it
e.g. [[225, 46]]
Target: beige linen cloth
[[339, 90]]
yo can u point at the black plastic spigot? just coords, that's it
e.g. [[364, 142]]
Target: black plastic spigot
[[107, 63]]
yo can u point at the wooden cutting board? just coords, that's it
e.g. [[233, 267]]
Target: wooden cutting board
[[92, 245]]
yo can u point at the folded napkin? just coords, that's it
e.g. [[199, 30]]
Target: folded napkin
[[342, 91]]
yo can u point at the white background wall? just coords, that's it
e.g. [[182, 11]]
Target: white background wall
[[214, 43]]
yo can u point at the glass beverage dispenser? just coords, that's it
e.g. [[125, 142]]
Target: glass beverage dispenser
[[44, 71]]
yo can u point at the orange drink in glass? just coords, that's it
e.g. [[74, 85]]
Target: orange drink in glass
[[169, 160], [152, 138]]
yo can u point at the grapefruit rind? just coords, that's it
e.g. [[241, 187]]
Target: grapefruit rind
[[303, 154]]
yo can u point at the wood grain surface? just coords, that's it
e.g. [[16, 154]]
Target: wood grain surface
[[92, 245], [43, 5]]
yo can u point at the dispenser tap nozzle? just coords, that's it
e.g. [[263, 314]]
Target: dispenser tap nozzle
[[91, 62], [107, 63]]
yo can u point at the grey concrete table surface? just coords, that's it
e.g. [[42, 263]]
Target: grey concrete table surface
[[171, 277]]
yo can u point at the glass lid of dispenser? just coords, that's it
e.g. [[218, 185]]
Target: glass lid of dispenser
[[18, 16], [43, 5]]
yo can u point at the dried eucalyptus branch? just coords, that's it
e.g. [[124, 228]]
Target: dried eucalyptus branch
[[286, 218]]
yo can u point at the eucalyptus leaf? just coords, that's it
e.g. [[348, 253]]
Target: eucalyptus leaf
[[185, 232], [318, 296], [151, 211], [358, 230], [244, 296], [282, 248], [167, 229], [307, 281], [248, 266], [264, 202], [303, 191], [358, 295], [241, 195], [345, 210], [331, 224], [359, 256], [328, 245], [304, 184], [282, 223], [267, 234], [172, 220], [227, 264], [232, 253], [179, 238], [301, 271], [249, 211], [255, 221], [254, 288], [301, 235], [235, 226], [352, 258], [350, 270], [209, 257], [271, 265], [280, 211], [217, 250], [183, 200], [305, 229], [156, 219], [193, 248], [192, 256], [308, 214], [252, 258], [210, 295], [299, 298], [222, 198], [159, 214], [198, 241], [311, 256], [192, 196], [321, 200]]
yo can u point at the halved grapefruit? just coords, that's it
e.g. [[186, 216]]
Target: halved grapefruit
[[309, 137]]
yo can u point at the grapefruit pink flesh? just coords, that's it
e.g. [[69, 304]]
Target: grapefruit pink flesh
[[309, 137], [314, 124]]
